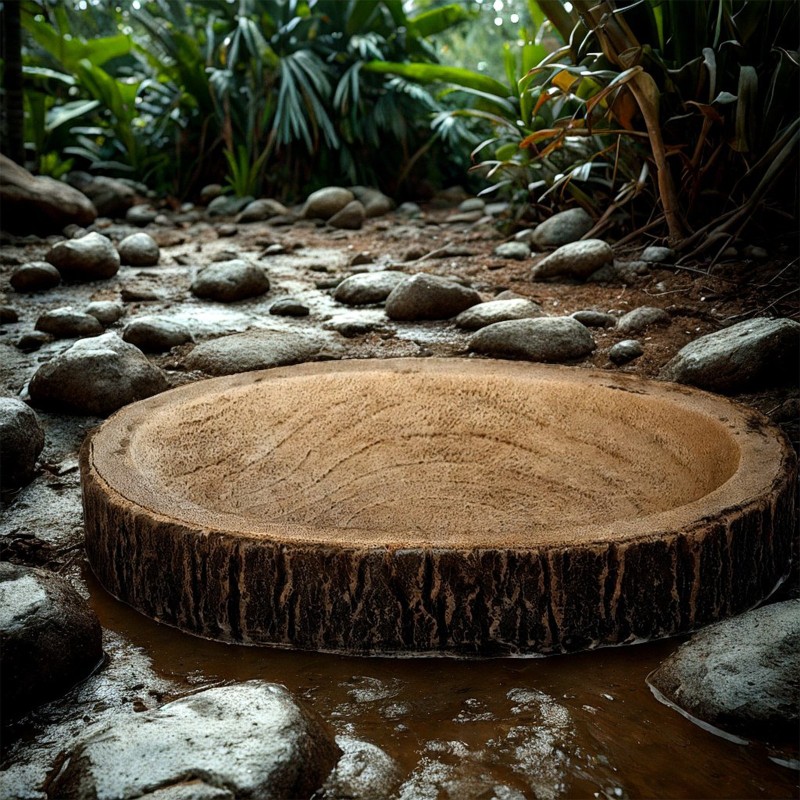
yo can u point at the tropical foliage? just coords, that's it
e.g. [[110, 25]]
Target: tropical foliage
[[264, 93]]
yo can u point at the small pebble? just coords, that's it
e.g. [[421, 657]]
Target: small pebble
[[625, 351], [289, 307]]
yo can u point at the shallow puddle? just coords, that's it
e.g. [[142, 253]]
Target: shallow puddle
[[583, 725]]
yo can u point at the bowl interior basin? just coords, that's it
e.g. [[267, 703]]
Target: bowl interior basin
[[426, 456]]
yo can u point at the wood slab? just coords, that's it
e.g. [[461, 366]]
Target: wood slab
[[461, 506]]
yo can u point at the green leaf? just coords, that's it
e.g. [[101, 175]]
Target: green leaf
[[61, 115], [433, 73], [429, 23], [746, 113]]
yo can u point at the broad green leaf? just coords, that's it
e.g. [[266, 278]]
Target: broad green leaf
[[429, 23], [433, 73], [48, 74], [60, 115], [359, 14]]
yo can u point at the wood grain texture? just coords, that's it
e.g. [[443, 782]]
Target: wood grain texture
[[437, 505]]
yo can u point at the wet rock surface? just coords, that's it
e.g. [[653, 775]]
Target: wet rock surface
[[156, 334], [242, 352], [736, 358], [253, 740], [95, 376], [741, 675], [21, 441], [68, 323], [229, 281], [552, 339], [367, 287], [424, 297], [49, 637], [40, 204], [325, 203], [37, 276], [483, 314], [90, 258], [138, 250]]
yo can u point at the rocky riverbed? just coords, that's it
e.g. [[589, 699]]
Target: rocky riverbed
[[155, 297]]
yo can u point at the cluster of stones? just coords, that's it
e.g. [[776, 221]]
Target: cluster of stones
[[49, 637]]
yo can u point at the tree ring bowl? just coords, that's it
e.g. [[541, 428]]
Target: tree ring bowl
[[454, 506]]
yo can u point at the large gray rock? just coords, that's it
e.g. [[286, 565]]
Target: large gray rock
[[577, 260], [749, 353], [35, 276], [243, 352], [254, 739], [484, 314], [139, 250], [553, 339], [39, 204], [229, 281], [421, 297], [95, 376], [90, 258], [156, 334], [111, 198], [562, 228], [324, 203], [741, 675], [67, 323], [49, 637], [351, 217], [366, 288], [21, 442]]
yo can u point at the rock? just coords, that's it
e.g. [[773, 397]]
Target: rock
[[8, 314], [156, 334], [141, 215], [260, 210], [642, 318], [519, 251], [367, 287], [39, 204], [356, 323], [111, 198], [139, 250], [106, 312], [409, 209], [472, 204], [422, 296], [555, 339], [351, 217], [50, 637], [137, 293], [375, 203], [625, 351], [210, 192], [67, 323], [226, 231], [576, 260], [289, 307], [90, 258], [484, 314], [35, 276], [242, 352], [741, 675], [95, 376], [31, 342], [658, 255], [754, 352], [254, 739], [595, 319], [21, 442], [563, 228], [229, 281], [364, 772], [625, 272], [324, 203], [465, 216], [525, 235], [227, 206], [755, 252]]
